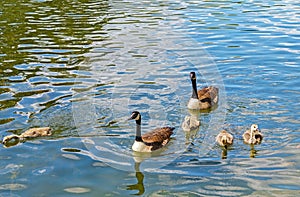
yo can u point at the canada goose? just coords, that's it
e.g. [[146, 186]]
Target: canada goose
[[205, 98], [253, 136], [224, 138], [152, 140]]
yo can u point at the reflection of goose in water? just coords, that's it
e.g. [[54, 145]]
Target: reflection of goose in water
[[253, 136], [224, 153], [152, 140], [140, 180], [139, 157], [191, 124], [253, 152], [205, 98]]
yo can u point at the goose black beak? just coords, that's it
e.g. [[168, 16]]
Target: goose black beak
[[130, 118]]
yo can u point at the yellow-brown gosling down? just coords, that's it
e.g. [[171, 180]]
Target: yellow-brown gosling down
[[205, 98], [30, 133], [253, 136], [36, 132], [224, 139], [152, 140]]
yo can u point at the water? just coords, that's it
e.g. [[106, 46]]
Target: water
[[82, 67]]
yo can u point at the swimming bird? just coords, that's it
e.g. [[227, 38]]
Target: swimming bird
[[191, 125], [205, 98], [36, 132], [191, 122], [12, 140], [224, 138], [152, 140], [253, 136]]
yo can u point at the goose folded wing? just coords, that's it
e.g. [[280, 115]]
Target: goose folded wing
[[207, 93], [158, 135]]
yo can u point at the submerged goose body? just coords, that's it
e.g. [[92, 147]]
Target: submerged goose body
[[152, 140], [253, 136], [224, 138], [205, 98]]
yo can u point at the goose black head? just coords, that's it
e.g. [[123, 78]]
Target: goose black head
[[193, 76], [135, 115]]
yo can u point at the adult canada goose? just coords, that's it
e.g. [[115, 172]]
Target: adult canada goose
[[205, 98], [253, 136], [152, 140], [224, 138]]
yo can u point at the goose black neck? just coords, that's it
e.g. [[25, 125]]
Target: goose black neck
[[138, 136], [194, 85]]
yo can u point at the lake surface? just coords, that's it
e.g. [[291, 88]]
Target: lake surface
[[81, 67]]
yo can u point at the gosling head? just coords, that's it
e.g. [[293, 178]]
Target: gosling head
[[224, 139], [193, 76], [254, 128], [135, 115], [11, 140]]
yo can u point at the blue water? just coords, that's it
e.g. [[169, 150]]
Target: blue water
[[82, 67]]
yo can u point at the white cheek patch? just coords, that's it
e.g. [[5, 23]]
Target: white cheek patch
[[138, 117]]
